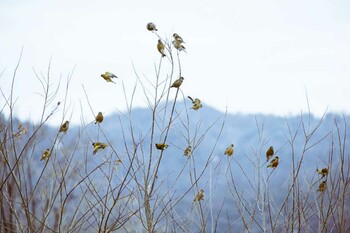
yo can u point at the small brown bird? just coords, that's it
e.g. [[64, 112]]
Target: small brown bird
[[98, 146], [229, 150], [188, 151], [99, 118], [45, 154], [323, 171], [161, 146], [108, 76], [160, 47], [199, 196], [178, 38], [151, 27], [178, 46], [177, 82], [64, 127], [269, 153], [274, 162], [322, 187]]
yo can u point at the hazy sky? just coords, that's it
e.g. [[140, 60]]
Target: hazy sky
[[249, 56]]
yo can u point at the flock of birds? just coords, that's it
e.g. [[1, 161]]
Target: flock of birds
[[196, 104], [275, 161]]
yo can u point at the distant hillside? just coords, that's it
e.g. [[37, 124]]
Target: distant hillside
[[250, 134]]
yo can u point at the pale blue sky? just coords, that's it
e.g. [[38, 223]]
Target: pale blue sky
[[251, 56]]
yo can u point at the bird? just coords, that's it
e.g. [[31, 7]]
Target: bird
[[108, 76], [323, 171], [178, 38], [160, 47], [269, 153], [199, 196], [45, 154], [151, 27], [99, 118], [229, 150], [323, 186], [98, 146], [117, 162], [188, 151], [196, 103], [64, 127], [274, 162], [161, 146], [178, 46], [177, 83]]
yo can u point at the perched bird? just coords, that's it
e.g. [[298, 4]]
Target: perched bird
[[178, 38], [161, 146], [177, 82], [199, 196], [64, 127], [269, 153], [188, 151], [323, 171], [98, 146], [160, 47], [322, 187], [108, 76], [274, 162], [229, 150], [99, 118], [196, 103], [45, 154], [178, 46], [151, 27]]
